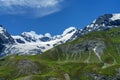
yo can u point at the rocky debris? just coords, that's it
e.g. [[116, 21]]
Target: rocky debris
[[88, 45], [103, 77], [53, 78], [67, 77], [114, 34], [28, 78], [26, 67], [3, 79], [45, 78]]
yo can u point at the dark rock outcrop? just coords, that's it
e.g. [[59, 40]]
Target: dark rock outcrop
[[5, 39], [103, 22]]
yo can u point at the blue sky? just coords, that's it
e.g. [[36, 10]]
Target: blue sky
[[52, 16]]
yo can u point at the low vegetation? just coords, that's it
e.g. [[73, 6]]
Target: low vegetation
[[75, 60]]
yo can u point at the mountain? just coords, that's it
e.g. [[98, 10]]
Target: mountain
[[92, 53], [92, 56], [103, 22], [5, 39], [94, 45], [33, 43]]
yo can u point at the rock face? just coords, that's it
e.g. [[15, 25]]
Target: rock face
[[31, 43], [67, 77], [89, 46], [103, 22], [5, 39], [24, 67], [3, 79], [103, 77], [27, 67]]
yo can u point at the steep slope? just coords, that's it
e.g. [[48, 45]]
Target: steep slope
[[32, 43], [89, 54], [5, 40], [104, 22], [94, 56], [92, 47], [101, 49]]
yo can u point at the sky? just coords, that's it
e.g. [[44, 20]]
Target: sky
[[52, 16]]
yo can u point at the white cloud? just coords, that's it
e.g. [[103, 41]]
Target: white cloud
[[38, 8]]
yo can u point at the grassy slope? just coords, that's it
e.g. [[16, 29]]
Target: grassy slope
[[55, 64], [112, 43]]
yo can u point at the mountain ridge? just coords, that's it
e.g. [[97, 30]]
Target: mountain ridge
[[93, 55], [32, 43]]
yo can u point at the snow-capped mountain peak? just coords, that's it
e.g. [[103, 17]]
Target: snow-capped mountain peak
[[103, 22], [33, 43], [31, 34], [48, 35], [115, 17], [69, 30], [5, 37], [2, 30]]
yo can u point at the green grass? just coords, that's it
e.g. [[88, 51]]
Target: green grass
[[58, 69], [55, 63]]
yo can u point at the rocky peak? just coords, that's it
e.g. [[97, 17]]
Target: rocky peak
[[34, 37], [5, 37], [103, 22], [108, 20], [69, 30]]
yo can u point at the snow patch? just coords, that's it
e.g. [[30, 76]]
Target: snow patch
[[94, 21], [69, 30], [48, 35], [31, 34], [1, 30], [97, 53], [18, 37], [40, 46], [115, 17]]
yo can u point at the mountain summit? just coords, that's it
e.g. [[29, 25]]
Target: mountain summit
[[32, 43], [5, 39], [103, 22]]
